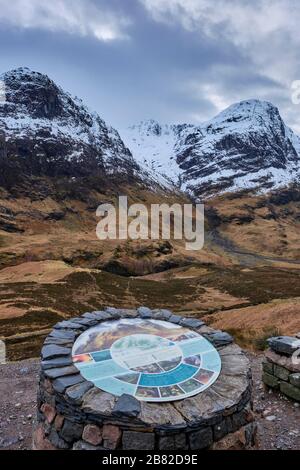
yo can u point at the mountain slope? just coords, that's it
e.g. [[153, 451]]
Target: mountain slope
[[46, 132], [247, 146], [154, 146], [41, 122]]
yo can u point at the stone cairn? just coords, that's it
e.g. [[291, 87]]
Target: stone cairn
[[281, 369], [74, 414]]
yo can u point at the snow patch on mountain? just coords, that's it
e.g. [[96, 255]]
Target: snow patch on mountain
[[154, 146]]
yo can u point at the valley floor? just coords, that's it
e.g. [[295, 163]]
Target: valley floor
[[278, 418], [251, 304]]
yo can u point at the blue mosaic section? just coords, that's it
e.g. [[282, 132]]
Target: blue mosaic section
[[101, 355], [181, 373]]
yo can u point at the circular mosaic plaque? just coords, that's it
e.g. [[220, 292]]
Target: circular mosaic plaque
[[152, 360]]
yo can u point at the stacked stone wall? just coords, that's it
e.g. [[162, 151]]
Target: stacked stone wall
[[281, 368]]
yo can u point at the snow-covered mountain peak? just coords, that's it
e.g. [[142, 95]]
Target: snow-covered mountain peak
[[245, 146], [245, 115], [22, 74], [46, 132], [246, 110], [43, 116]]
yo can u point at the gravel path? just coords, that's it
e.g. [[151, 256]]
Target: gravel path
[[278, 418], [18, 389]]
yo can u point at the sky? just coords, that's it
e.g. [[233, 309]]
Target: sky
[[174, 61]]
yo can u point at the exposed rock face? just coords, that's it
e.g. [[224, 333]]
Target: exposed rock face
[[45, 132], [247, 146]]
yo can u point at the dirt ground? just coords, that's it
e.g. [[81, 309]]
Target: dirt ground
[[278, 418], [18, 389]]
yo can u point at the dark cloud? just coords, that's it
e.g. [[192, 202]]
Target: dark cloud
[[150, 66]]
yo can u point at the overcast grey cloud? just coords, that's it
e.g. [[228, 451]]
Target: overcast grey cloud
[[173, 60], [77, 17]]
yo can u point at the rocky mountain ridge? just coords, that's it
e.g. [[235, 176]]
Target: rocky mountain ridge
[[46, 132], [247, 146]]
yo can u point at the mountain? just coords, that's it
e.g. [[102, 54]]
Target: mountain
[[46, 132], [247, 146]]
